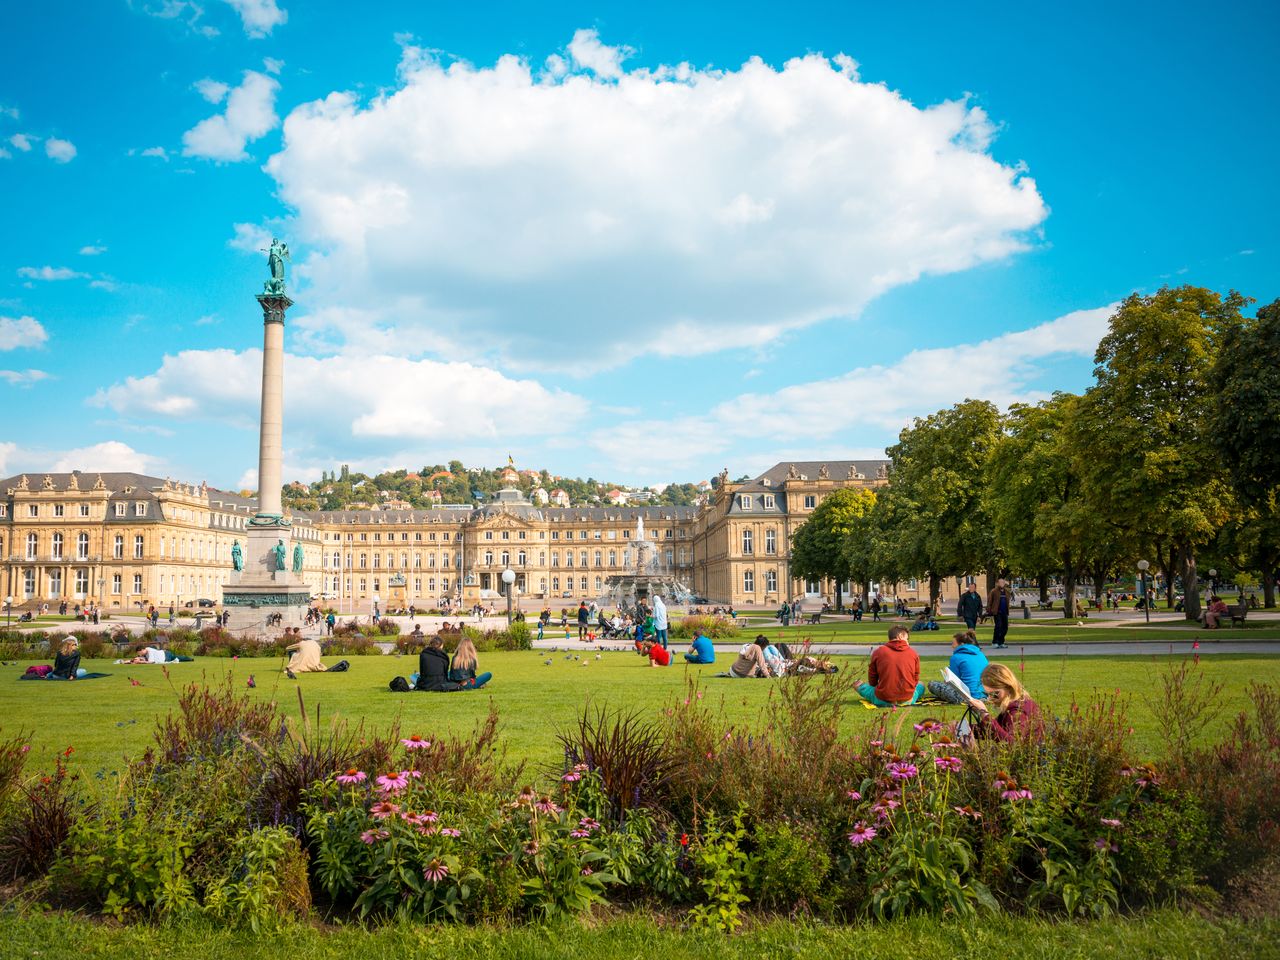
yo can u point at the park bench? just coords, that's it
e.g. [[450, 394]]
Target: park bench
[[1238, 614]]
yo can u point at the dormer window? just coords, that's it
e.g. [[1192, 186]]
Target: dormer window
[[767, 501], [744, 501]]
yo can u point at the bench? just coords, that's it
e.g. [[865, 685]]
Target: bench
[[1238, 614]]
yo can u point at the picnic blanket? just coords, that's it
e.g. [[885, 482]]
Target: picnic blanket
[[87, 676]]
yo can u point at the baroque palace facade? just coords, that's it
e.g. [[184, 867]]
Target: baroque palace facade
[[124, 540]]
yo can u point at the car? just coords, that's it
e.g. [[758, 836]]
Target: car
[[324, 596], [199, 603]]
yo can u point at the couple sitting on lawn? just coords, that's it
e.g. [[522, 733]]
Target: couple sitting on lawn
[[760, 658], [999, 701]]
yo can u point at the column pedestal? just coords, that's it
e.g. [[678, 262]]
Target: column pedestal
[[259, 590]]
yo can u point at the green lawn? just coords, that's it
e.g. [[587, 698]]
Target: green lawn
[[107, 719], [1154, 936]]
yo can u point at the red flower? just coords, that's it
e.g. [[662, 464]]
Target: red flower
[[684, 839]]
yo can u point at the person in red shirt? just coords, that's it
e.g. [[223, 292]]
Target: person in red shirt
[[659, 656], [893, 676]]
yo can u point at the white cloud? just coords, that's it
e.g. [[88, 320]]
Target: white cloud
[[332, 401], [482, 210], [187, 11], [24, 141], [590, 54], [206, 320], [5, 154], [111, 455], [259, 17], [61, 151], [92, 250], [22, 378], [17, 332], [105, 283], [250, 238], [10, 112], [272, 65], [250, 114], [880, 398], [159, 152], [50, 273], [215, 91]]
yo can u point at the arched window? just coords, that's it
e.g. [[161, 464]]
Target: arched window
[[82, 546], [57, 546]]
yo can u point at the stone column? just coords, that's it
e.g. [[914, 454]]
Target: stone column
[[272, 419]]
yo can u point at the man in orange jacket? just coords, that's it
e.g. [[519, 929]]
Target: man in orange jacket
[[893, 676]]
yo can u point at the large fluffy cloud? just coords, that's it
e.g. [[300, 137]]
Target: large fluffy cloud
[[584, 212], [349, 404], [16, 332], [814, 419], [250, 114], [110, 455]]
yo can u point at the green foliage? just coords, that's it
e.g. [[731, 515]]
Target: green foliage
[[267, 884], [788, 868], [1163, 845], [721, 866], [817, 548], [716, 627]]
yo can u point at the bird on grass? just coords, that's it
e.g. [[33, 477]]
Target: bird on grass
[[134, 683], [251, 683], [547, 662]]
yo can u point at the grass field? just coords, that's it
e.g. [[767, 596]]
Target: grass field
[[1155, 936], [108, 719]]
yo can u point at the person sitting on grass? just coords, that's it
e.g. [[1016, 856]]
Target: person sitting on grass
[[751, 661], [701, 650], [924, 621], [1214, 613], [893, 675], [66, 665], [659, 656], [1008, 712], [967, 662], [462, 669], [305, 659], [433, 669], [777, 660]]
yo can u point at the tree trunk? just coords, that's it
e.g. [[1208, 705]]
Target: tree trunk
[[935, 587], [1190, 587], [1042, 582], [1268, 588], [1099, 584], [1068, 587], [1168, 564], [839, 598], [992, 576]]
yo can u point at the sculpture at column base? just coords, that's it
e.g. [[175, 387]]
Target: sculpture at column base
[[269, 520]]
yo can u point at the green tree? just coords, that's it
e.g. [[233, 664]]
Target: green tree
[[938, 524], [1155, 468], [817, 548]]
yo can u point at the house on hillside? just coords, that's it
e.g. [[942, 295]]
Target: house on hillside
[[559, 497]]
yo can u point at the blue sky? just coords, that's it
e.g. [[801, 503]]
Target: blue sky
[[636, 243]]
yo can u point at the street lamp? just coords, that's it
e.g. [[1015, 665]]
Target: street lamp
[[1213, 580], [1144, 566], [8, 611], [509, 578]]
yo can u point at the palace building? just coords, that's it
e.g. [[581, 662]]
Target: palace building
[[124, 540]]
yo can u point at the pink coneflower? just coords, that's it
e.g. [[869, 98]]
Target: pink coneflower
[[26, 748], [415, 742], [392, 782], [902, 770], [450, 832], [416, 774], [861, 834], [927, 726], [586, 871], [383, 809], [853, 795], [947, 763], [571, 777], [352, 777], [1016, 795], [728, 736], [579, 834], [429, 816], [428, 830], [967, 811], [531, 848], [883, 808], [1126, 771], [373, 836], [546, 805], [1103, 844], [875, 743], [586, 823], [435, 870]]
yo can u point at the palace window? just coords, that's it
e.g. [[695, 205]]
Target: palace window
[[488, 558], [613, 558], [137, 583], [771, 581], [506, 534], [744, 501], [521, 558], [599, 557], [506, 558], [116, 584], [771, 542], [57, 546], [31, 546], [810, 501], [364, 562], [57, 510], [33, 510], [748, 542], [82, 547], [140, 510], [767, 501], [82, 582], [488, 534], [748, 581]]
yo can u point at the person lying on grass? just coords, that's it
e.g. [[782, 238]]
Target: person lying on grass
[[1008, 711], [462, 669], [659, 656], [156, 655], [893, 675]]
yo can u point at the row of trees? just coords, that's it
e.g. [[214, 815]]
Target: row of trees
[[1173, 455]]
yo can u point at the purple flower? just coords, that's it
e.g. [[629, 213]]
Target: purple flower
[[588, 824], [853, 795], [383, 809], [571, 777], [901, 770], [373, 836], [927, 726], [546, 805], [1106, 845], [415, 742], [435, 870], [586, 871], [352, 777], [393, 782], [947, 763], [579, 834], [1109, 822], [861, 834], [450, 832], [1016, 795]]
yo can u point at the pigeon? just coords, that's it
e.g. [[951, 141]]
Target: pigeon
[[597, 656], [547, 662], [251, 683], [290, 674], [134, 683]]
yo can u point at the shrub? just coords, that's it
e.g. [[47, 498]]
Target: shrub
[[1162, 848], [388, 628], [267, 884], [37, 821], [210, 721], [715, 627], [352, 645], [626, 751], [788, 868], [518, 636], [720, 865]]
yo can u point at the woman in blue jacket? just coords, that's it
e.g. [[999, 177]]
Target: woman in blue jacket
[[967, 662]]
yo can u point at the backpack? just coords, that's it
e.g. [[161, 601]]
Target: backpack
[[400, 685], [342, 666]]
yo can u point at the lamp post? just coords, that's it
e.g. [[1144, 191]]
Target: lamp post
[[1213, 580], [509, 578], [8, 611], [1143, 566]]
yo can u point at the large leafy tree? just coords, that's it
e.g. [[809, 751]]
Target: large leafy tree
[[817, 549], [941, 527], [1244, 421], [1155, 467]]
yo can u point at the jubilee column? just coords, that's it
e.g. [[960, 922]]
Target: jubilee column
[[267, 572]]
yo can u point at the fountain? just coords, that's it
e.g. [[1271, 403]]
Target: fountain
[[646, 576]]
